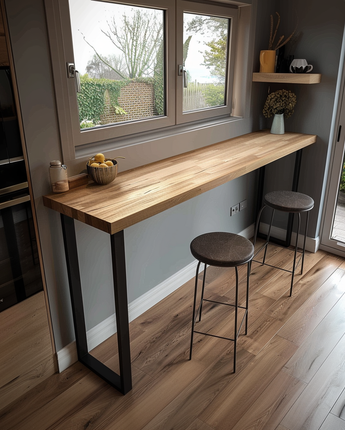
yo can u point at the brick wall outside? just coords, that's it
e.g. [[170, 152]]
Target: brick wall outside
[[136, 99]]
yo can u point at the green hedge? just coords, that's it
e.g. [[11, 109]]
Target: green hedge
[[91, 97]]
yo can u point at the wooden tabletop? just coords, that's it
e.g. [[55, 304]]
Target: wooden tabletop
[[145, 191]]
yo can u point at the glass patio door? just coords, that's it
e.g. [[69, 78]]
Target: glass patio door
[[338, 226], [333, 230]]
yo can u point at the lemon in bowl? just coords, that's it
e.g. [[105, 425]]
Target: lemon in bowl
[[99, 158], [102, 172]]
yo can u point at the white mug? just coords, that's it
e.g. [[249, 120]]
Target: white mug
[[300, 66]]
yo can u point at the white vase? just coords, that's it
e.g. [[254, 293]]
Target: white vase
[[278, 124]]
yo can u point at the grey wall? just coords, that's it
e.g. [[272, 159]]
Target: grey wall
[[156, 248], [321, 26]]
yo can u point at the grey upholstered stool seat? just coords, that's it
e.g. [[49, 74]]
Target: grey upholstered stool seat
[[223, 250], [291, 202]]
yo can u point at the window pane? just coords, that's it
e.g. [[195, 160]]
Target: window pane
[[119, 53], [205, 52]]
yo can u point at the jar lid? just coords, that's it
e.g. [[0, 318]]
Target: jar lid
[[56, 163]]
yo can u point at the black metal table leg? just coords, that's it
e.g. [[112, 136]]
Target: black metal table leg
[[294, 187], [122, 382], [121, 309]]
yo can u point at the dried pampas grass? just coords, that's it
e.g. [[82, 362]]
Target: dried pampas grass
[[281, 42]]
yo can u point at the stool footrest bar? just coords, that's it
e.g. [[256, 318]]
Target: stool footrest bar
[[223, 303], [214, 335], [227, 338], [279, 268]]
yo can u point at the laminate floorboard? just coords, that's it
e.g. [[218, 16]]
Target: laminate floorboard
[[319, 344], [271, 407], [320, 394], [290, 366]]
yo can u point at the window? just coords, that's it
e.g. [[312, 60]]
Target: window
[[143, 65], [204, 44], [119, 53], [206, 70]]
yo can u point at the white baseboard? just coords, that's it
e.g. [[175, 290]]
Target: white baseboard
[[311, 245], [66, 356], [98, 334], [248, 233]]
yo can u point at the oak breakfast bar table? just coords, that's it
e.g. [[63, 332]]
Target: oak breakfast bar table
[[145, 191]]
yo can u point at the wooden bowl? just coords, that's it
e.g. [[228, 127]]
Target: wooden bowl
[[102, 175]]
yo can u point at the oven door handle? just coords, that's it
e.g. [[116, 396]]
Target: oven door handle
[[14, 202]]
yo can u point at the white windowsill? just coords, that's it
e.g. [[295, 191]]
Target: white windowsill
[[140, 138]]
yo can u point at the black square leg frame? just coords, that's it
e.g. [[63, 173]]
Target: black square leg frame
[[122, 382]]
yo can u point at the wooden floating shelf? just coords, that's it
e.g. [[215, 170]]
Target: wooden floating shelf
[[287, 78]]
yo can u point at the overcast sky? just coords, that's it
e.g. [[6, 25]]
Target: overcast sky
[[89, 17]]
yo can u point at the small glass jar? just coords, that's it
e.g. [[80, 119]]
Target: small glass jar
[[58, 177]]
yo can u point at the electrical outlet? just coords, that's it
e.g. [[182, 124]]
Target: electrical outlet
[[243, 205], [234, 209]]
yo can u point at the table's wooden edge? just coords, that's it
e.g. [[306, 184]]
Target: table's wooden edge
[[194, 192], [92, 221], [50, 201]]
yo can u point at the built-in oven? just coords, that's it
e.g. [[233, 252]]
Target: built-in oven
[[10, 141], [20, 274]]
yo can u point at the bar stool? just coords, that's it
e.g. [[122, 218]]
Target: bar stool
[[291, 202], [223, 250]]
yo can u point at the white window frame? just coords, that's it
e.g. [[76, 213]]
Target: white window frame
[[204, 9], [60, 10], [76, 143]]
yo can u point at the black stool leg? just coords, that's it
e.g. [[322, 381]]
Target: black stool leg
[[236, 312], [268, 236], [304, 241], [194, 303], [294, 258], [202, 292], [257, 225], [247, 295]]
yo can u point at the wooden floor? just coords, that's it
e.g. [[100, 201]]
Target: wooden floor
[[290, 366]]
